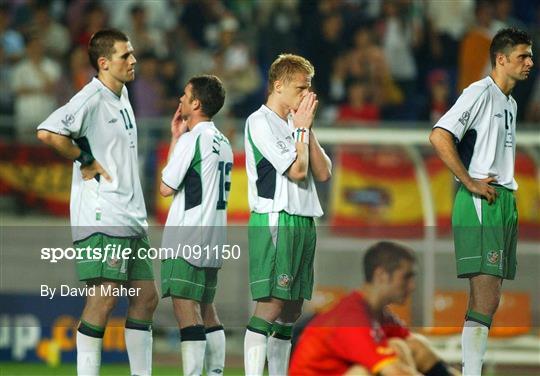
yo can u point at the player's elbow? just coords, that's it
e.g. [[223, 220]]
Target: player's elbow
[[165, 190], [297, 175], [44, 136], [324, 176]]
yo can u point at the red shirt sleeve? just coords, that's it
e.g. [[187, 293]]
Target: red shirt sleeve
[[393, 327]]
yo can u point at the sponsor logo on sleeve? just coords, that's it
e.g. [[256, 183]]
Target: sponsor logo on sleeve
[[464, 119], [68, 120]]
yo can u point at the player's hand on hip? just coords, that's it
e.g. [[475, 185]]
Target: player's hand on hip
[[94, 169], [178, 125], [303, 117], [482, 188]]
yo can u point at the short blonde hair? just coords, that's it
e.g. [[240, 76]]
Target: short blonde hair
[[286, 66]]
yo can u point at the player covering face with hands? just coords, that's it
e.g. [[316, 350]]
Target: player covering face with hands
[[283, 161]]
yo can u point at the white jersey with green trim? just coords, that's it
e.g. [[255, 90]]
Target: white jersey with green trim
[[199, 169], [103, 124], [270, 151], [483, 121]]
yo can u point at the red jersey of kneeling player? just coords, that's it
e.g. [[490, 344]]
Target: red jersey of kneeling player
[[348, 334]]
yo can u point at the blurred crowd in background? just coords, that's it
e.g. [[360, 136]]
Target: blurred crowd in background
[[375, 60]]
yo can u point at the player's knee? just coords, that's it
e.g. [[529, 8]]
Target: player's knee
[[102, 304], [146, 302]]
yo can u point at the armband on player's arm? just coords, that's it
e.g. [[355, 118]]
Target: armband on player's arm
[[85, 158]]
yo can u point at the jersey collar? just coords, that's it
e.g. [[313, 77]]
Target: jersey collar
[[507, 97], [201, 126], [108, 92]]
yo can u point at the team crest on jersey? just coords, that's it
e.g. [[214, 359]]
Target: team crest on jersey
[[113, 262], [464, 119], [282, 146], [493, 257], [68, 120], [284, 280]]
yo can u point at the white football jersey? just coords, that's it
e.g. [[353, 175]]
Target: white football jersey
[[103, 124], [199, 169], [483, 121], [270, 151]]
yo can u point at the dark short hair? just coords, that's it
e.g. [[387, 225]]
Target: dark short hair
[[102, 44], [505, 40], [208, 89], [386, 255]]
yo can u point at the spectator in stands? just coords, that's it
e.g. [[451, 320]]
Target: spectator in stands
[[95, 19], [439, 95], [503, 16], [81, 70], [55, 36], [11, 51], [235, 65], [34, 82], [365, 61], [144, 38], [449, 21], [474, 49], [359, 106], [324, 50], [533, 110], [400, 34], [360, 335], [148, 90]]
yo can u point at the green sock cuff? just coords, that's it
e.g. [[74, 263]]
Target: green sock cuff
[[282, 331], [97, 330], [93, 327], [258, 325], [479, 317], [137, 321]]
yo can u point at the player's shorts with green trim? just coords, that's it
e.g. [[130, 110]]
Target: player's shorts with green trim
[[485, 236], [180, 279], [110, 266], [281, 252]]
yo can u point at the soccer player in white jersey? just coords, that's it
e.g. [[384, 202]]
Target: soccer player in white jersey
[[283, 161], [198, 174], [97, 130], [476, 140]]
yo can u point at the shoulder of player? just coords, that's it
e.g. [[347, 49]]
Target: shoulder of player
[[477, 91], [87, 98], [257, 118]]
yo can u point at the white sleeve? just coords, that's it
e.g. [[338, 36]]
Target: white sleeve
[[173, 174], [279, 151], [461, 117], [69, 120]]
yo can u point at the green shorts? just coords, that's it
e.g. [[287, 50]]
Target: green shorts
[[485, 236], [180, 279], [281, 252], [114, 268]]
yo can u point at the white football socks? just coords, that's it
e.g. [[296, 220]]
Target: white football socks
[[254, 353], [139, 349], [214, 357], [278, 353], [473, 347], [88, 355]]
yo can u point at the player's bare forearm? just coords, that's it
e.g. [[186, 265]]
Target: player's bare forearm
[[299, 168], [63, 145], [443, 142], [320, 163]]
